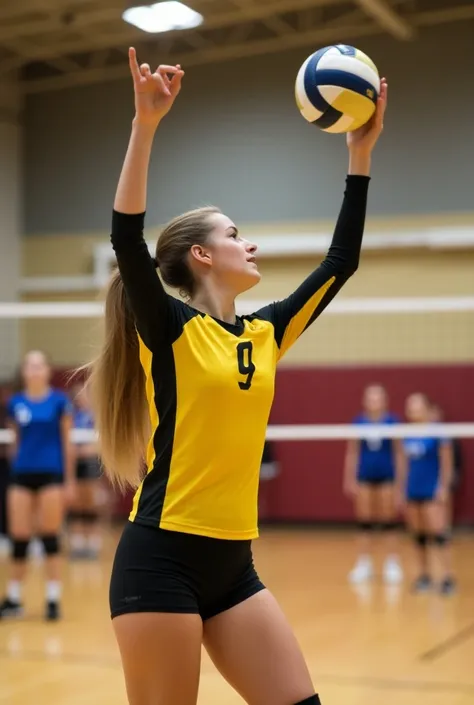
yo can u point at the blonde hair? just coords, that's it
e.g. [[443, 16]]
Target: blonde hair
[[116, 378]]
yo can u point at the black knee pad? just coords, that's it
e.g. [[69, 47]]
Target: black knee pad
[[440, 539], [366, 526], [89, 517], [20, 549], [73, 515], [387, 526], [51, 544], [313, 700], [421, 540]]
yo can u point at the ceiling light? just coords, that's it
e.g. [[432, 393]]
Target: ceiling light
[[162, 17]]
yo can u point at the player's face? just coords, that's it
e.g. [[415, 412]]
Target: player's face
[[375, 400], [417, 409], [233, 258], [35, 369]]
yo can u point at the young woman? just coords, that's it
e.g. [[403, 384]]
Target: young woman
[[193, 383], [42, 473], [430, 473], [371, 469], [84, 538]]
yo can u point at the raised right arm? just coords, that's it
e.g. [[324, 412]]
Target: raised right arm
[[150, 303], [153, 308]]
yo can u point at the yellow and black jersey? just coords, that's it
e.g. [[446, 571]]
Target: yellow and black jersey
[[210, 384]]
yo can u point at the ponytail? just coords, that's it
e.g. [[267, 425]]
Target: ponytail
[[117, 386]]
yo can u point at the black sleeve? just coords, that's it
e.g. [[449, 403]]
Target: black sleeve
[[293, 315], [156, 312]]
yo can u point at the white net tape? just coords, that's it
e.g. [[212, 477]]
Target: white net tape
[[325, 432], [392, 305]]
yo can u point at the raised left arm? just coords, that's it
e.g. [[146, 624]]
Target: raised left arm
[[291, 316]]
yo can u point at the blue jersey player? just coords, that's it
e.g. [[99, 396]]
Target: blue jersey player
[[371, 470], [41, 473], [428, 481], [85, 540]]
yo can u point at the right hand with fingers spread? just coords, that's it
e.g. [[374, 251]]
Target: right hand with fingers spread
[[155, 92]]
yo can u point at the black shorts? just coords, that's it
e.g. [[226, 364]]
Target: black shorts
[[421, 500], [156, 570], [376, 481], [36, 481], [88, 469]]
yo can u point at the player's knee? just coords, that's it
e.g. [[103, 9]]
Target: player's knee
[[440, 540], [89, 517], [421, 540], [51, 544], [388, 526], [366, 526], [20, 549], [313, 700]]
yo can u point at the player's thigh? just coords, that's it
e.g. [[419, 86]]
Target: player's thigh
[[364, 501], [413, 517], [161, 657], [51, 506], [384, 496], [21, 511], [254, 648]]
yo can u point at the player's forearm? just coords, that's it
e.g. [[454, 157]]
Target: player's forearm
[[359, 162], [131, 191]]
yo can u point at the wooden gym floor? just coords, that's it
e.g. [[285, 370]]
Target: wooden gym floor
[[364, 646]]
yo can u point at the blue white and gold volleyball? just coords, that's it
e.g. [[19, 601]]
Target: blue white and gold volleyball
[[337, 88]]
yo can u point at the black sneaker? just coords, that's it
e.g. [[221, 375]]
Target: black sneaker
[[53, 611], [447, 586], [8, 608], [422, 584]]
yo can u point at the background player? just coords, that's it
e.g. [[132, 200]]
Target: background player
[[42, 461], [85, 539], [430, 473], [183, 571], [371, 470]]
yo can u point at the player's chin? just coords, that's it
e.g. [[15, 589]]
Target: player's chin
[[249, 278]]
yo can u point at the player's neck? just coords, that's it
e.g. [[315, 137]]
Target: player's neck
[[37, 391], [216, 303]]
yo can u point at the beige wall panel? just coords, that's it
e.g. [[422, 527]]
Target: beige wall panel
[[433, 337]]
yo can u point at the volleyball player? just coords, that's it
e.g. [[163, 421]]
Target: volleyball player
[[85, 540], [4, 473], [430, 473], [193, 382], [42, 462], [370, 475]]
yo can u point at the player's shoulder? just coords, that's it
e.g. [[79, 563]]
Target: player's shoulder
[[17, 398], [60, 399], [360, 419], [391, 418]]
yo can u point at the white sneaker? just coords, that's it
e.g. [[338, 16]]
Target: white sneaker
[[392, 572], [361, 572]]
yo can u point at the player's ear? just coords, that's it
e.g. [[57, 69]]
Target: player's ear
[[201, 254]]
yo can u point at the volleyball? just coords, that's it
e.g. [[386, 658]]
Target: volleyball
[[337, 88]]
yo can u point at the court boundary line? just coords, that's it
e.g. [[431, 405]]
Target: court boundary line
[[449, 644]]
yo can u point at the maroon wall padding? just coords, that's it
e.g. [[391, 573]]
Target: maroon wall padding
[[309, 486]]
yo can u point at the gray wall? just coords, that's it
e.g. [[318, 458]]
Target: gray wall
[[235, 138], [10, 220]]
